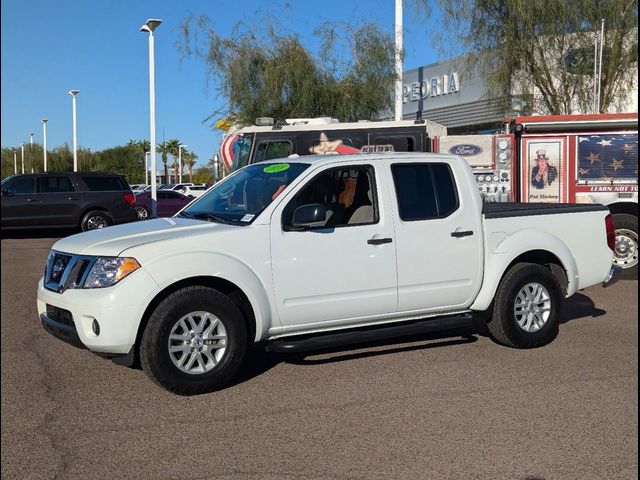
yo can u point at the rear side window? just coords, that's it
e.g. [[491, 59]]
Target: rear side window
[[54, 185], [104, 184], [425, 190]]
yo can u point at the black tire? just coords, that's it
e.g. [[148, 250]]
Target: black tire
[[143, 212], [627, 231], [95, 220], [154, 347], [503, 325]]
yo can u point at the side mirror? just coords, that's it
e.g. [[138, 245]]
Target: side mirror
[[312, 215], [6, 192]]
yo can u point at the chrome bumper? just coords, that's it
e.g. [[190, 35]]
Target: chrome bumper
[[613, 276]]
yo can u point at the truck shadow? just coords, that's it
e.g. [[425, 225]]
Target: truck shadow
[[260, 361], [579, 306]]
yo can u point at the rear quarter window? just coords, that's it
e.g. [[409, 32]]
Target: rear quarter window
[[105, 184]]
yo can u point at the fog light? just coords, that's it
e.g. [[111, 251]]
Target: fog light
[[95, 326]]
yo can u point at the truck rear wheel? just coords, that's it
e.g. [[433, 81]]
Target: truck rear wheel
[[194, 342], [526, 311], [625, 254]]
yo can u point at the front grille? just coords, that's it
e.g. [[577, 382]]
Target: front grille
[[66, 271], [60, 315]]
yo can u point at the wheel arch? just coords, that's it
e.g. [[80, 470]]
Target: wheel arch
[[233, 291], [630, 208], [556, 256]]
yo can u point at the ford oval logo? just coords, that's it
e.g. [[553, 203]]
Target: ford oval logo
[[466, 150]]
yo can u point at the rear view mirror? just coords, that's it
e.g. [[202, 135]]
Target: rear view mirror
[[312, 215]]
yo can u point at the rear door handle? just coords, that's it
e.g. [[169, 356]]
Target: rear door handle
[[73, 198], [32, 200], [464, 233], [379, 241]]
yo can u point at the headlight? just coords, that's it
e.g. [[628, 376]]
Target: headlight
[[107, 271]]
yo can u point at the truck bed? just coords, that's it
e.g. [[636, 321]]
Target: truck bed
[[518, 209]]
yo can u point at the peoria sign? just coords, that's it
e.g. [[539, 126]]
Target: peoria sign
[[435, 87]]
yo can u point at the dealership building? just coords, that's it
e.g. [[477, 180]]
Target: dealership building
[[451, 95]]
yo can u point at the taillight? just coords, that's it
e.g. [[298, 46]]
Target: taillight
[[611, 231], [130, 198]]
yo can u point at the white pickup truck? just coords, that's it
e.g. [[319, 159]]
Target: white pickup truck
[[313, 251]]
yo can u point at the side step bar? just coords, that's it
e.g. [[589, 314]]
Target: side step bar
[[304, 343]]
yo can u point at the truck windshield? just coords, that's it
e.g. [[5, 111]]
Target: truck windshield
[[242, 196]]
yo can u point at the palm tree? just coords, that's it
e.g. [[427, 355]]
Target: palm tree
[[190, 160], [172, 147], [162, 148]]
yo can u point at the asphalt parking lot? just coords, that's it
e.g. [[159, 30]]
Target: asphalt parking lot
[[440, 406]]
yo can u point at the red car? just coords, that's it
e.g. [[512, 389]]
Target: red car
[[169, 203]]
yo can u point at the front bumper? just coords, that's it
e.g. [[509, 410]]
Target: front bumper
[[613, 276], [118, 311]]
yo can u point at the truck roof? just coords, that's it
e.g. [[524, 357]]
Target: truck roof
[[359, 157], [436, 128]]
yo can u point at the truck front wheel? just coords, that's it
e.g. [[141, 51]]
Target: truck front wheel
[[194, 342], [526, 311]]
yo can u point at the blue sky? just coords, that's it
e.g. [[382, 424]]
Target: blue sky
[[51, 47]]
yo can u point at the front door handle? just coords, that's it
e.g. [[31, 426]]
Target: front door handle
[[379, 241], [464, 233], [32, 200], [73, 198]]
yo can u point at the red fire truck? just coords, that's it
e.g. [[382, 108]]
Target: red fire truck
[[583, 159]]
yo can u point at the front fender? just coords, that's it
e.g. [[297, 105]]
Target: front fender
[[171, 268], [501, 252]]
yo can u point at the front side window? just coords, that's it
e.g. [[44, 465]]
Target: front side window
[[348, 195], [424, 190], [241, 197], [54, 185], [21, 186]]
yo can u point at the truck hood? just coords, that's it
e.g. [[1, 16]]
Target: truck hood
[[112, 241]]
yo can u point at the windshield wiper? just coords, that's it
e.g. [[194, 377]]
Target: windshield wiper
[[213, 218]]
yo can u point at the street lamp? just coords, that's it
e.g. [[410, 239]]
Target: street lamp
[[22, 148], [44, 142], [150, 26], [146, 168], [180, 159], [73, 94]]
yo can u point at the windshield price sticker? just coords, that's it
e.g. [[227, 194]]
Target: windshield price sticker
[[276, 168], [247, 218]]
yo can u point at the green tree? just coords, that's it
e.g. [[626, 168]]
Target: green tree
[[173, 145], [545, 48], [124, 160], [264, 73], [202, 175], [189, 159], [164, 151]]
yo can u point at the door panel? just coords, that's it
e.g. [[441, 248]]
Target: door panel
[[439, 242], [334, 273]]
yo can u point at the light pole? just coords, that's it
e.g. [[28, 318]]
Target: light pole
[[31, 150], [44, 142], [146, 168], [22, 148], [180, 160], [398, 61], [73, 94], [150, 26]]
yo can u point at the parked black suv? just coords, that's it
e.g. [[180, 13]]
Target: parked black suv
[[63, 199]]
